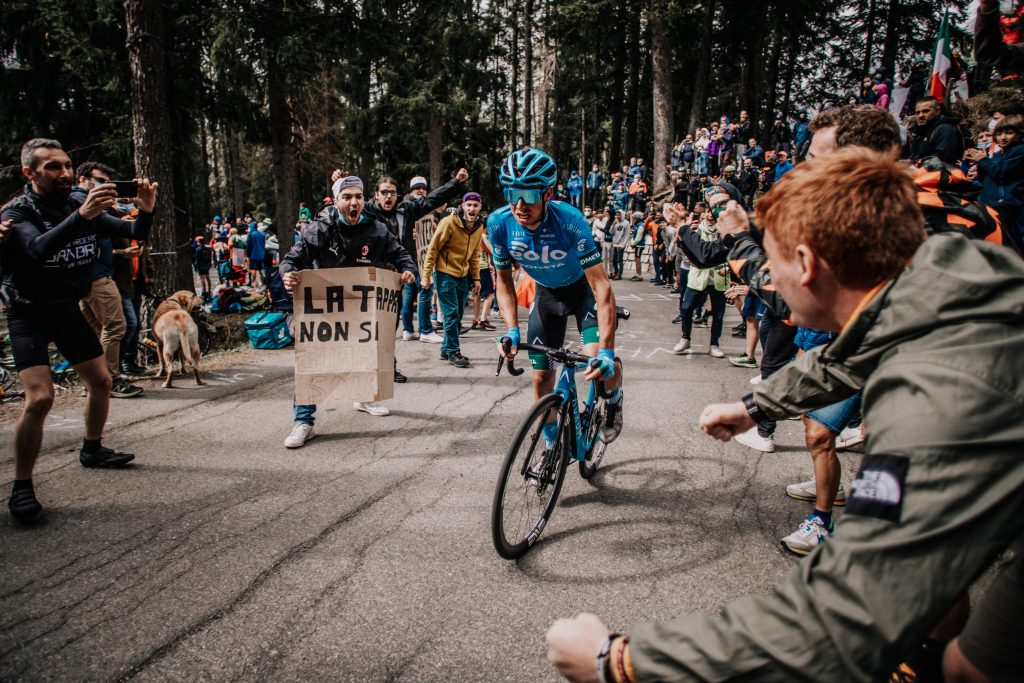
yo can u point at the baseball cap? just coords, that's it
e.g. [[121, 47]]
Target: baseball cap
[[636, 214], [347, 181], [472, 197], [418, 181]]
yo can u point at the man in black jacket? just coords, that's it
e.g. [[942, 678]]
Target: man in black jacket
[[48, 264], [934, 135], [400, 218], [344, 237]]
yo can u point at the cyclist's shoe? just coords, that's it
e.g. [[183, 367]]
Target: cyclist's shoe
[[612, 426], [122, 388], [23, 504], [104, 457], [810, 535]]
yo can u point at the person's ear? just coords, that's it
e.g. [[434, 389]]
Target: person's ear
[[27, 172], [809, 265]]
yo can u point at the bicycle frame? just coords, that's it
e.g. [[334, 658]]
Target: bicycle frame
[[566, 388]]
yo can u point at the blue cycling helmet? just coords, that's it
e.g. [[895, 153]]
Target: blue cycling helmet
[[528, 168]]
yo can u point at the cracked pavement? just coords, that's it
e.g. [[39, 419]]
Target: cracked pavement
[[366, 555]]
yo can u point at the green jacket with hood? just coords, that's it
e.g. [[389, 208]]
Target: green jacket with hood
[[939, 353]]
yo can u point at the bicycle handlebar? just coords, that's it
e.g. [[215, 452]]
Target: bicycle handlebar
[[558, 355]]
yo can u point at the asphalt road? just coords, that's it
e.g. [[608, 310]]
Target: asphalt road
[[366, 555]]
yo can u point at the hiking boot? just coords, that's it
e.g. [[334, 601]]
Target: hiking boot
[[373, 408], [744, 361], [104, 457], [807, 490], [849, 437], [301, 433], [751, 439], [122, 388], [716, 352], [410, 336], [400, 378], [458, 360], [681, 348], [431, 338], [132, 368], [23, 504], [810, 535], [612, 426]]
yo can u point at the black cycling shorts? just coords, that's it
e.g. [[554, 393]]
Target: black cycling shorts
[[34, 326], [549, 314], [993, 636]]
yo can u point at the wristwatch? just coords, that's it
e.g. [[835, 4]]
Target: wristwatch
[[756, 414], [602, 661]]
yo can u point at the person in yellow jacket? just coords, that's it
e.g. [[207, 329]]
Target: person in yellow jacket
[[453, 259]]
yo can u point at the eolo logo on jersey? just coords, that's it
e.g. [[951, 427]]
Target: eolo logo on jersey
[[521, 251]]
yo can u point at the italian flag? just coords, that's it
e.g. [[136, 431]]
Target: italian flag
[[941, 61]]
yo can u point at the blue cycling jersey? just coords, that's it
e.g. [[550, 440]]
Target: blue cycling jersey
[[555, 254]]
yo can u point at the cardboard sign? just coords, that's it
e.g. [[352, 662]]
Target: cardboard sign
[[424, 230], [345, 335]]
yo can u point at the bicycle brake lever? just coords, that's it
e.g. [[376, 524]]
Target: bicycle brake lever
[[513, 370]]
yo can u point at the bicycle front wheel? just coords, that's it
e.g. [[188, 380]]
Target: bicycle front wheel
[[530, 481]]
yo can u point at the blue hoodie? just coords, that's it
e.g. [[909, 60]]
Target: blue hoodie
[[575, 184]]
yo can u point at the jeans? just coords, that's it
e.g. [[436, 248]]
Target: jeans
[[451, 296], [837, 416], [778, 349], [411, 293], [130, 340], [576, 200], [656, 260], [619, 260], [304, 413], [693, 301]]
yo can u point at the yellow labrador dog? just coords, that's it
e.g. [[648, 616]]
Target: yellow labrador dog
[[176, 334]]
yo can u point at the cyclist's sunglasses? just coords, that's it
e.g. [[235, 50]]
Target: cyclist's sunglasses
[[514, 194]]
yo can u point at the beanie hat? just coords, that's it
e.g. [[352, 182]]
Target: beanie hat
[[418, 181], [471, 197]]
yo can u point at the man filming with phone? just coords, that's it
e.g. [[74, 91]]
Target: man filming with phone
[[48, 264]]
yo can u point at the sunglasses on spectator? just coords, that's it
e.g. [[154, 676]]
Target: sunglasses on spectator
[[514, 194]]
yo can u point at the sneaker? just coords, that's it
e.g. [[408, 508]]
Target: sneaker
[[743, 361], [612, 426], [400, 378], [751, 439], [849, 437], [475, 326], [458, 360], [373, 408], [431, 338], [742, 327], [676, 320], [104, 457], [23, 504], [301, 433], [739, 334], [122, 388], [810, 535], [756, 379], [680, 348], [674, 290], [635, 278], [410, 336], [806, 490], [486, 325], [716, 352]]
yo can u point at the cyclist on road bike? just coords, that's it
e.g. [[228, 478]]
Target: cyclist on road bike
[[553, 243]]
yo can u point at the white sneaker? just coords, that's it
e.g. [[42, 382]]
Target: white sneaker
[[431, 338], [751, 439], [409, 336], [301, 433], [756, 379], [808, 536], [373, 408], [681, 347], [849, 437], [807, 490], [716, 352]]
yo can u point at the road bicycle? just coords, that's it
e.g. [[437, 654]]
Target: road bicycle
[[533, 470]]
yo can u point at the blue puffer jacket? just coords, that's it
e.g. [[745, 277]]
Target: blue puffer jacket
[[1002, 178]]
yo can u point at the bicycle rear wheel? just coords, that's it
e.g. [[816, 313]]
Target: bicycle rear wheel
[[530, 481]]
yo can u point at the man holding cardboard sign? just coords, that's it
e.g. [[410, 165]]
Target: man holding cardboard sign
[[340, 352]]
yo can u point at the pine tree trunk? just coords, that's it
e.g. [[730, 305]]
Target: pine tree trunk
[[892, 38], [204, 186], [703, 67], [528, 76], [282, 161], [632, 80], [615, 151], [234, 179], [514, 51], [661, 67], [153, 141], [870, 42], [435, 147]]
